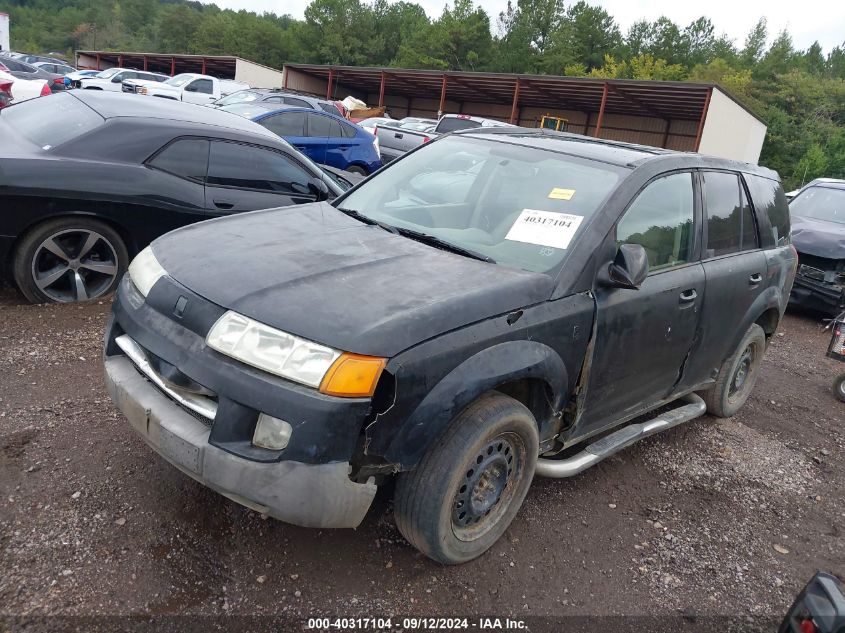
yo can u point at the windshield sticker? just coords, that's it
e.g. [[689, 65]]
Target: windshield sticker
[[561, 194], [544, 228]]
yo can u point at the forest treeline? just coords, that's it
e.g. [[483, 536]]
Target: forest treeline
[[800, 94]]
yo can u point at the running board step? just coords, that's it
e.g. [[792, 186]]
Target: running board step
[[623, 438]]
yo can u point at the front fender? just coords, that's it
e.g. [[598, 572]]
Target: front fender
[[483, 372]]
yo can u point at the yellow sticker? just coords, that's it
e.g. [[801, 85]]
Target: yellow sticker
[[561, 194]]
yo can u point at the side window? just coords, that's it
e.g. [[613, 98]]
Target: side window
[[335, 130], [724, 217], [750, 240], [187, 158], [286, 124], [299, 103], [329, 107], [768, 200], [274, 100], [319, 125], [250, 167], [661, 220], [205, 86], [347, 130]]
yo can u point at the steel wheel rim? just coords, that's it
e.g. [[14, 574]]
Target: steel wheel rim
[[487, 486], [742, 374], [74, 265]]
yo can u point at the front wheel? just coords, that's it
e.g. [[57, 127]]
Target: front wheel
[[69, 259], [357, 169], [839, 387], [737, 375], [470, 485]]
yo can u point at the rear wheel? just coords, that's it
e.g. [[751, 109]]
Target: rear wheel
[[839, 387], [470, 485], [737, 375], [356, 169], [69, 259]]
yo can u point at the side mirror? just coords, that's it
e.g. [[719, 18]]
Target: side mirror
[[627, 270], [117, 79], [319, 189]]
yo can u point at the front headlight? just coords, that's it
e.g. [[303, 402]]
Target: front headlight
[[270, 349], [334, 373], [145, 270]]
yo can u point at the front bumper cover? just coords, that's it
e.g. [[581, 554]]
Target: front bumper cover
[[816, 295], [310, 495]]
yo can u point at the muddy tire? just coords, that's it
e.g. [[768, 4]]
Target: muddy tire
[[839, 387], [470, 485], [737, 375], [357, 169]]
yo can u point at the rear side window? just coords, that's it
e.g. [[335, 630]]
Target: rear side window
[[330, 108], [286, 124], [204, 86], [768, 200], [452, 124], [250, 167], [661, 220], [51, 121], [730, 225], [319, 125], [187, 158], [299, 103], [347, 130]]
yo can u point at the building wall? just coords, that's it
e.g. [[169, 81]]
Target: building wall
[[4, 31], [256, 75], [730, 131]]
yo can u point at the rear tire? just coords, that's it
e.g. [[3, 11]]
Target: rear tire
[[469, 486], [69, 259], [839, 387], [356, 169], [737, 375]]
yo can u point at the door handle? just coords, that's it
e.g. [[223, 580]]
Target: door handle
[[688, 295], [756, 278], [397, 135], [223, 204]]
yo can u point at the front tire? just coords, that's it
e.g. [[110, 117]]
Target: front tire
[[737, 375], [469, 486], [839, 387], [69, 259], [357, 169]]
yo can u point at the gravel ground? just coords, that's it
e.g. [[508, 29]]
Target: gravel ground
[[713, 518]]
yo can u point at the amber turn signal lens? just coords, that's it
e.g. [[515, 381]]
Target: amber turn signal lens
[[353, 376]]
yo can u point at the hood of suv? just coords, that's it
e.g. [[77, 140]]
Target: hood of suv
[[818, 237], [314, 272]]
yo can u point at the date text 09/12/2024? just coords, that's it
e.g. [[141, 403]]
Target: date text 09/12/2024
[[416, 624]]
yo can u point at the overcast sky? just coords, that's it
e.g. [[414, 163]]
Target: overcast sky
[[807, 20]]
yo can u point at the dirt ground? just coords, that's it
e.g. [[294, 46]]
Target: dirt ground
[[714, 518]]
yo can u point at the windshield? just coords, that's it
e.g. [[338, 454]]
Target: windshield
[[109, 72], [179, 80], [820, 203], [50, 121], [519, 206], [242, 96]]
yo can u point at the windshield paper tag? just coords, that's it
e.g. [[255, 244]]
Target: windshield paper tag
[[561, 194], [544, 228]]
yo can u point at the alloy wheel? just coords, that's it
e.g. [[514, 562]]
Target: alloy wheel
[[74, 265]]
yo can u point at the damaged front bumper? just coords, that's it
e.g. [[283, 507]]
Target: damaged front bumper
[[813, 289]]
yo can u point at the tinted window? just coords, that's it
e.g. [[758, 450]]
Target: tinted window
[[750, 239], [187, 158], [205, 86], [330, 108], [452, 124], [299, 103], [274, 100], [319, 125], [16, 66], [234, 165], [661, 220], [724, 214], [767, 198], [347, 130], [50, 122], [820, 203], [286, 124]]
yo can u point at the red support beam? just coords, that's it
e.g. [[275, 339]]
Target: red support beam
[[203, 66], [98, 62], [442, 97], [120, 61], [514, 107], [665, 142], [146, 60], [702, 119], [172, 66], [381, 90], [329, 85], [601, 111]]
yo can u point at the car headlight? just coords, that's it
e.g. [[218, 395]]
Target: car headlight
[[145, 270], [297, 359]]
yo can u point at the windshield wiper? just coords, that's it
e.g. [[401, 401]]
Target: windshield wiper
[[352, 213], [442, 244]]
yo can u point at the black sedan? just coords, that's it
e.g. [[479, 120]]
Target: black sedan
[[89, 178]]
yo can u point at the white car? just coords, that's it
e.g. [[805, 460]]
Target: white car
[[190, 87], [112, 79], [23, 89]]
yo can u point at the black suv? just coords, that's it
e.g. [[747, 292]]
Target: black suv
[[548, 293]]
